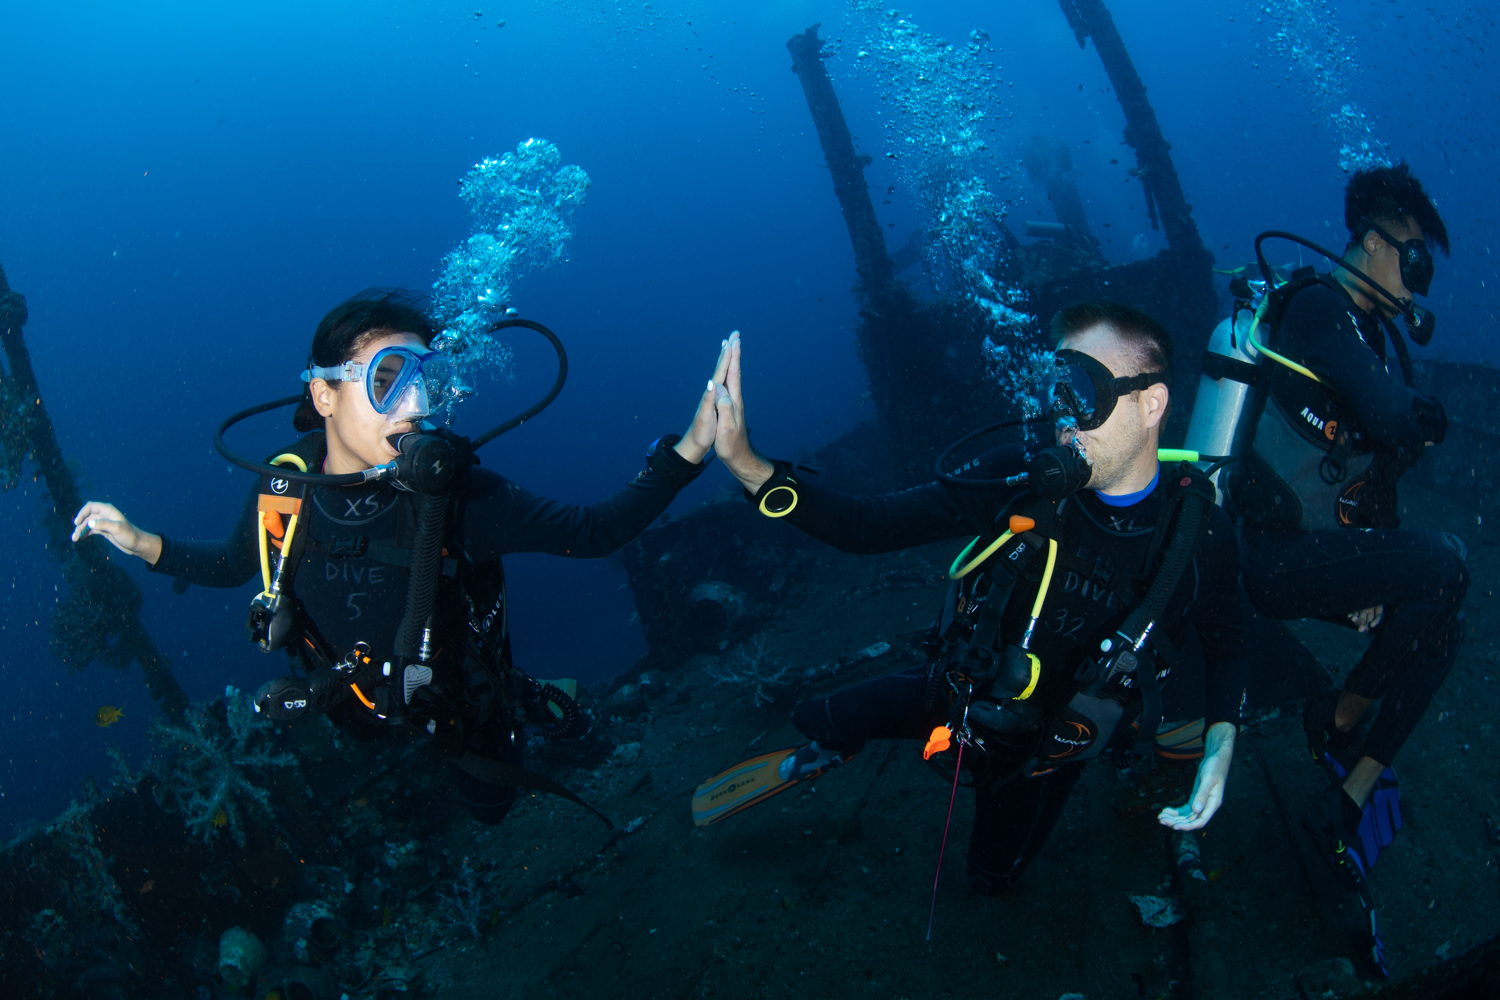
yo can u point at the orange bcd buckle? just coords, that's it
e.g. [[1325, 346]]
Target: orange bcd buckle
[[940, 740]]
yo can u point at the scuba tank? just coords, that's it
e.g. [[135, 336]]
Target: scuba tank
[[1231, 368]]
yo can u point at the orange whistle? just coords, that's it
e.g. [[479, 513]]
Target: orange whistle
[[937, 742], [1019, 524]]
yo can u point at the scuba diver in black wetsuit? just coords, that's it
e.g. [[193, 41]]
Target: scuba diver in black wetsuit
[[379, 545], [1333, 425], [1067, 611]]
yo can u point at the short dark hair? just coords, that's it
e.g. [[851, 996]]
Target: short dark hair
[[1148, 338], [1386, 196], [347, 328]]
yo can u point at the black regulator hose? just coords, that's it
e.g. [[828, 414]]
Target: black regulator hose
[[389, 470], [952, 478], [572, 718], [426, 567], [1420, 323], [1173, 564], [546, 401]]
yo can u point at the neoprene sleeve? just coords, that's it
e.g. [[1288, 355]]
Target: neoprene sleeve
[[1319, 331], [500, 517], [941, 511]]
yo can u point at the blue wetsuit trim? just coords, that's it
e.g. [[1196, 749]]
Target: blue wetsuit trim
[[1131, 499]]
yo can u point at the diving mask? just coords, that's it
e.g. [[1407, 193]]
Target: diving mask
[[398, 380], [1417, 265], [1086, 391]]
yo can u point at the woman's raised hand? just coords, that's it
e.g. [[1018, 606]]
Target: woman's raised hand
[[105, 519], [732, 441], [700, 434]]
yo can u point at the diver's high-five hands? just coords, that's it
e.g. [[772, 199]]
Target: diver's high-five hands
[[699, 436], [105, 519], [732, 442]]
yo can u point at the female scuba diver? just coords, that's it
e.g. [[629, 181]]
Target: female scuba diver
[[380, 546]]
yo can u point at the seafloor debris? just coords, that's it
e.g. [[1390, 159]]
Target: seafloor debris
[[754, 666], [1158, 911]]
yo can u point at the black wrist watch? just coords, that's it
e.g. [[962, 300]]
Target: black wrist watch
[[777, 496], [662, 459]]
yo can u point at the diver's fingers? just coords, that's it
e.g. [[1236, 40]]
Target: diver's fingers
[[728, 430], [721, 365], [732, 376], [94, 519], [95, 508], [115, 531]]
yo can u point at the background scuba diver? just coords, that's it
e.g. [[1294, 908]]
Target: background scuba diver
[[351, 555], [1108, 541], [1324, 455]]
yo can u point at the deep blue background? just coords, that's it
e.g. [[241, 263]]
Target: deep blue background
[[186, 188]]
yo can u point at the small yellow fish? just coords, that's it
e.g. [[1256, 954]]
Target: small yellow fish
[[107, 716], [221, 818], [149, 884]]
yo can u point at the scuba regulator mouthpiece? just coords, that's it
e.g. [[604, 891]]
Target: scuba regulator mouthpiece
[[1420, 324], [424, 463], [1058, 472]]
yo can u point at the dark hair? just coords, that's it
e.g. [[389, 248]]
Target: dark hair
[[1149, 340], [347, 328], [1387, 196]]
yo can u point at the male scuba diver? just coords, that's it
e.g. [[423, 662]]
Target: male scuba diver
[[1067, 612], [379, 545], [1332, 427]]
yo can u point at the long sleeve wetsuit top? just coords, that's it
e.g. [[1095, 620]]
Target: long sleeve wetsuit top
[[360, 598], [1101, 547], [1346, 348]]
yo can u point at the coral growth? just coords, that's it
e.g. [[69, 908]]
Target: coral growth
[[91, 889], [207, 777], [460, 908], [16, 423], [88, 624]]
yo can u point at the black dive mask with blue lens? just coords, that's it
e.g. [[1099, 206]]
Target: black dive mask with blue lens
[[1086, 391], [1417, 265]]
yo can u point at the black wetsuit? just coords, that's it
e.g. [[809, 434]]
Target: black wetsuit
[[361, 598], [1418, 576], [1109, 544]]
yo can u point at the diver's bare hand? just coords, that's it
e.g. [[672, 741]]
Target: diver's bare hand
[[105, 519], [732, 441], [1208, 787], [1368, 618], [700, 433]]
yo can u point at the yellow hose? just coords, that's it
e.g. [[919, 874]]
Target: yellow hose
[[1263, 349], [1041, 592], [265, 557], [285, 458], [954, 573]]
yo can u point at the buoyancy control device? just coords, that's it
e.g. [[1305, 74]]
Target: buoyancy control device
[[1303, 469], [990, 683], [401, 684]]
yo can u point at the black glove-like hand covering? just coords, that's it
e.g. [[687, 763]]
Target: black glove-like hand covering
[[1431, 416]]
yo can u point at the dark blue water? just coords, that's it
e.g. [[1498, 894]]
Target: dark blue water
[[185, 190]]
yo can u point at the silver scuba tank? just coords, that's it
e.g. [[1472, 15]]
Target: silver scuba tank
[[1223, 390]]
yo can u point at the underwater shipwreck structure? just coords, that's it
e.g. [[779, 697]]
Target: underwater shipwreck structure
[[697, 607], [243, 860]]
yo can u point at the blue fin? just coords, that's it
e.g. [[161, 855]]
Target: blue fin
[[1382, 815]]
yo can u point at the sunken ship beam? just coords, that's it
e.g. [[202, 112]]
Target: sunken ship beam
[[101, 617]]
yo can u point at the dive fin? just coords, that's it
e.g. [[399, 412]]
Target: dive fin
[[757, 779], [1382, 813]]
